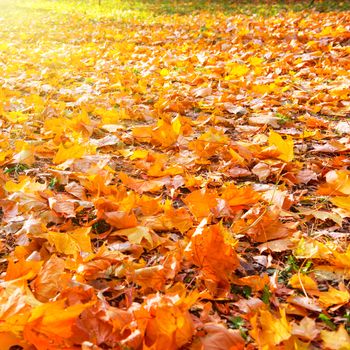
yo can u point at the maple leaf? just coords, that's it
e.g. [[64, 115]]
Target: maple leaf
[[342, 202], [264, 227], [302, 281], [15, 310], [50, 325], [25, 184], [334, 297], [201, 202], [69, 151], [240, 197], [285, 147], [219, 338], [306, 329], [136, 234], [166, 321], [339, 340], [9, 340], [50, 279], [256, 283], [269, 330], [121, 219], [22, 269], [71, 242], [339, 180], [212, 250], [153, 277]]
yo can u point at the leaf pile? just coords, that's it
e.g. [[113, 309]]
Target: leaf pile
[[177, 182]]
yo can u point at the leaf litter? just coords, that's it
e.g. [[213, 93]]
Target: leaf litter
[[180, 182]]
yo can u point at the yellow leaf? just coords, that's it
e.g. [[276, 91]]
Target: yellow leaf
[[16, 117], [269, 330], [66, 152], [139, 154], [164, 72], [71, 242], [302, 281], [334, 297], [285, 147], [26, 185], [136, 234], [236, 157], [255, 61], [339, 180], [308, 133], [54, 318], [264, 88], [341, 202], [4, 155], [176, 125], [236, 70], [339, 340]]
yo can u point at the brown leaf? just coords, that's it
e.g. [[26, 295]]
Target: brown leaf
[[306, 329], [220, 338]]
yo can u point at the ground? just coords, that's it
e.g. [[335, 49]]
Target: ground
[[174, 175]]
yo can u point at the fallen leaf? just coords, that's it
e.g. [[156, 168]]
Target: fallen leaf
[[337, 340], [202, 92], [201, 202], [268, 330], [262, 171], [334, 297], [69, 151], [306, 329], [339, 180], [217, 337], [71, 242], [304, 282], [211, 249], [285, 147], [136, 234]]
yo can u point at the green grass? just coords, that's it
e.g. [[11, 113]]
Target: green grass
[[148, 9]]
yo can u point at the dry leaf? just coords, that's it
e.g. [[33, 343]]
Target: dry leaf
[[284, 147], [336, 340]]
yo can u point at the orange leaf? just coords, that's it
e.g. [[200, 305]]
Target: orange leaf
[[51, 279], [257, 283], [121, 219], [334, 297], [71, 242], [301, 281], [219, 338], [167, 322], [211, 250], [149, 277], [339, 180], [201, 202], [70, 151], [9, 341], [50, 325], [240, 197], [268, 330], [24, 270]]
